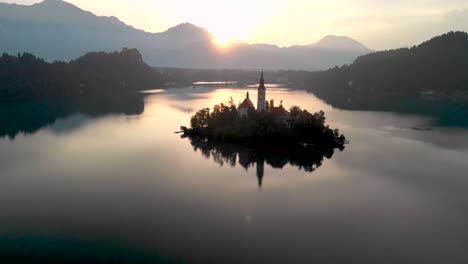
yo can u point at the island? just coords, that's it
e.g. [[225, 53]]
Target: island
[[268, 126]]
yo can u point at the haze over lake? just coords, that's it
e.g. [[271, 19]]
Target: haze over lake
[[117, 186]]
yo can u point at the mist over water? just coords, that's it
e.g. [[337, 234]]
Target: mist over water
[[116, 185]]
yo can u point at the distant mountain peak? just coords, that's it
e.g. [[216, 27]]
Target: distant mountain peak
[[190, 31], [54, 3], [58, 6], [186, 27], [340, 43]]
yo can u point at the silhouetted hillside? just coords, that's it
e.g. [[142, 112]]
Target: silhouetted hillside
[[57, 30], [25, 76], [438, 67]]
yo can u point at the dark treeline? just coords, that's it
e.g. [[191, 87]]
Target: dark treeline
[[438, 66], [25, 76]]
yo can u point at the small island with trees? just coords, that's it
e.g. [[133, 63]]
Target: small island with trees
[[264, 128]]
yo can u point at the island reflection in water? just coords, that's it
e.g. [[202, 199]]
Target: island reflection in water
[[307, 158]]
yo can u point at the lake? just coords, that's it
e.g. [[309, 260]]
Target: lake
[[120, 185]]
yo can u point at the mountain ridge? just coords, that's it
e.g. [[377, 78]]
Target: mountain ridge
[[58, 30]]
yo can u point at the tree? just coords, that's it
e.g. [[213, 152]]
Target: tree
[[295, 111], [231, 102], [320, 117], [201, 118]]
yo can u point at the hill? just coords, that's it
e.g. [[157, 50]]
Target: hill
[[57, 30], [436, 67], [339, 43], [94, 74]]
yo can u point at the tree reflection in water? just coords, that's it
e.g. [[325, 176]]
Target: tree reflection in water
[[28, 116], [307, 157]]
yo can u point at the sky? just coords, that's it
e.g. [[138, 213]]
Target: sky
[[378, 24]]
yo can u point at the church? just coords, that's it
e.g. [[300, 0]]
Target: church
[[247, 105]]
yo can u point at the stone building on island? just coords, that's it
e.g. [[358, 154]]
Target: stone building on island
[[247, 106]]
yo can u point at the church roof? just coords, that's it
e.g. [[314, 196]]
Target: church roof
[[279, 110], [247, 103]]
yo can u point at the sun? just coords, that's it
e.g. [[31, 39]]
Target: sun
[[223, 41], [240, 21], [226, 33]]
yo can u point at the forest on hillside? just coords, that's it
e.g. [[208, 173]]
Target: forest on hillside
[[96, 73], [438, 66]]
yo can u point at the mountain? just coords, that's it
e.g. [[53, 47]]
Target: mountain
[[436, 67], [340, 43], [57, 30]]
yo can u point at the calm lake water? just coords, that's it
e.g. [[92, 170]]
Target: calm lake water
[[112, 187]]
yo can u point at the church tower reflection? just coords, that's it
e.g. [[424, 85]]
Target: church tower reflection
[[249, 158], [260, 171]]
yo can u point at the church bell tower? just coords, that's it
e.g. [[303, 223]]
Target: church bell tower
[[261, 95]]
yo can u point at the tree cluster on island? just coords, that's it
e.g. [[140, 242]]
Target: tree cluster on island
[[96, 73], [224, 124]]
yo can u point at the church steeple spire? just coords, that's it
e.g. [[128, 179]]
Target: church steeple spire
[[262, 81], [261, 94]]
